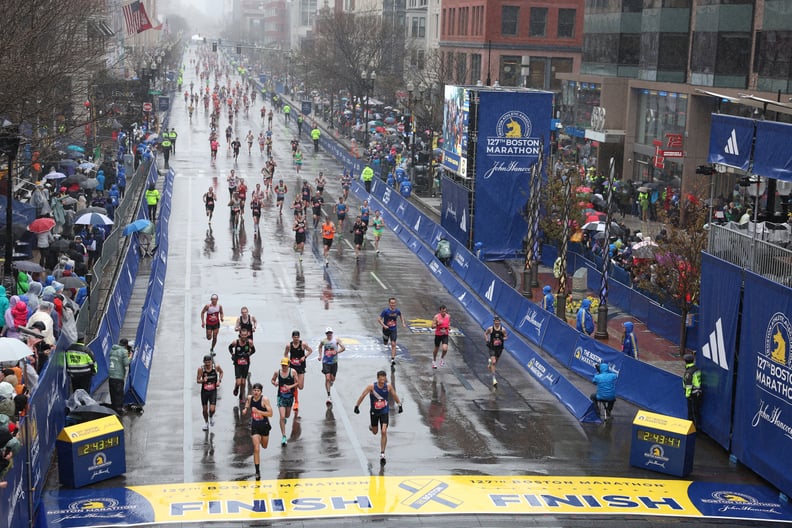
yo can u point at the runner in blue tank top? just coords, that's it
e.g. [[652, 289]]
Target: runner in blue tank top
[[379, 392]]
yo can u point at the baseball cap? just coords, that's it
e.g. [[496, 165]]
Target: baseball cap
[[329, 330], [284, 361]]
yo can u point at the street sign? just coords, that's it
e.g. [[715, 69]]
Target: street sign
[[306, 107], [155, 92], [147, 107], [673, 153], [163, 103]]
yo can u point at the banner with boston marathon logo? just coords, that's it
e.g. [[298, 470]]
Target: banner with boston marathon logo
[[512, 128], [763, 401]]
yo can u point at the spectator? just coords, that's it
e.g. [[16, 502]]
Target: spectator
[[584, 320], [120, 356], [691, 381], [3, 307], [605, 380], [42, 316], [548, 301], [80, 365], [7, 406]]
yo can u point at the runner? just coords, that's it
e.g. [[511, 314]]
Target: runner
[[305, 194], [241, 349], [297, 206], [389, 321], [346, 184], [298, 160], [262, 142], [341, 212], [250, 139], [358, 235], [379, 392], [233, 181], [261, 410], [213, 146], [495, 336], [298, 351], [299, 234], [365, 211], [257, 193], [246, 321], [235, 146], [209, 199], [320, 183], [269, 119], [211, 317], [235, 205], [378, 225], [328, 234], [255, 210], [316, 204], [285, 379], [329, 348], [229, 131], [441, 323], [242, 192], [209, 378], [280, 195]]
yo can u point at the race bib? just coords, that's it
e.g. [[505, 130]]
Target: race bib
[[242, 361], [295, 361], [496, 342], [285, 391], [209, 386], [380, 404], [392, 324]]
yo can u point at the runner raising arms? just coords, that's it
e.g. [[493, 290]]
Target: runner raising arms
[[261, 410], [379, 392], [211, 317]]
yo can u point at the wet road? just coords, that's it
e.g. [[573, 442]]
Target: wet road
[[454, 422]]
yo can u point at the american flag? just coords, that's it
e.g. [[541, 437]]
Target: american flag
[[136, 18]]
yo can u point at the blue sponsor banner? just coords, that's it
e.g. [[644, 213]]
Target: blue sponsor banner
[[78, 508], [652, 388], [772, 155], [762, 428], [738, 501], [455, 213], [513, 129], [730, 141], [455, 129], [721, 283], [531, 321], [305, 107], [163, 103]]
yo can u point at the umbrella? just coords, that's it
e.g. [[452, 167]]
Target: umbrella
[[72, 282], [27, 266], [93, 219], [645, 252], [595, 217], [60, 245], [71, 180], [68, 201], [75, 148], [644, 243], [643, 188], [390, 120], [90, 183], [54, 175], [12, 349], [615, 229], [599, 202], [86, 165], [67, 163], [73, 154], [137, 226], [94, 209], [86, 413], [41, 225]]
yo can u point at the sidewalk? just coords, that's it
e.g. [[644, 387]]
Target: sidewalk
[[653, 349]]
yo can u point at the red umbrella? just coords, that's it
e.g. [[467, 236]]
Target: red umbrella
[[41, 225]]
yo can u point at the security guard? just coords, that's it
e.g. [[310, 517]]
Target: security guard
[[691, 380], [367, 175], [152, 199], [315, 135], [286, 113], [172, 135], [166, 147], [80, 365]]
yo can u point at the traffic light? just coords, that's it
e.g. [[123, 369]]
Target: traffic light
[[239, 49], [214, 46]]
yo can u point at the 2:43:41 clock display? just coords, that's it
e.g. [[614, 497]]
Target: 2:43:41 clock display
[[98, 445], [658, 438]]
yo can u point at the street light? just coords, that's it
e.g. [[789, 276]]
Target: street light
[[411, 104], [9, 145], [368, 86]]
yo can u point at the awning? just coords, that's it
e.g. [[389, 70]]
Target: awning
[[751, 101]]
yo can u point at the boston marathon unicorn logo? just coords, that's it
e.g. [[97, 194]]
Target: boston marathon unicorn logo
[[777, 336]]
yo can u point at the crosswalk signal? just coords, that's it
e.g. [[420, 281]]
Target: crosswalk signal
[[214, 46], [239, 49]]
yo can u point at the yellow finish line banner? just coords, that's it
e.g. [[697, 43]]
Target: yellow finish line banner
[[312, 498]]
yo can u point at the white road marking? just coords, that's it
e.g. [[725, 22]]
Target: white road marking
[[187, 389], [379, 281]]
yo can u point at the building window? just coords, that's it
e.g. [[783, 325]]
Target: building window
[[445, 17], [461, 68], [475, 67], [509, 17], [436, 25], [510, 66], [414, 26], [538, 22], [566, 23], [421, 27], [421, 59]]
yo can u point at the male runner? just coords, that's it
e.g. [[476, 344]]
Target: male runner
[[285, 379], [329, 348], [377, 226], [280, 195], [378, 393], [316, 205], [241, 349], [246, 321], [209, 199], [441, 323], [297, 351], [209, 378], [495, 336], [233, 181], [328, 234], [299, 234], [341, 212], [358, 235], [388, 320], [211, 317]]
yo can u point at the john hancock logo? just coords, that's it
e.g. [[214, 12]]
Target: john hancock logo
[[737, 501], [512, 140], [655, 456]]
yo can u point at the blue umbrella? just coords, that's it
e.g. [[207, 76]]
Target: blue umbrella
[[138, 226], [75, 148]]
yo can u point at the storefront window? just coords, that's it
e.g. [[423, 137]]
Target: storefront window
[[660, 113], [644, 170]]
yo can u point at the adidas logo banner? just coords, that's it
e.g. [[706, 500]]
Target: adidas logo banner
[[730, 140]]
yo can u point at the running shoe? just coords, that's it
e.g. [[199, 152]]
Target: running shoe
[[283, 441], [205, 426], [236, 390], [434, 365], [494, 382], [258, 475], [329, 402], [382, 459], [393, 362], [211, 422], [442, 362], [489, 362]]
